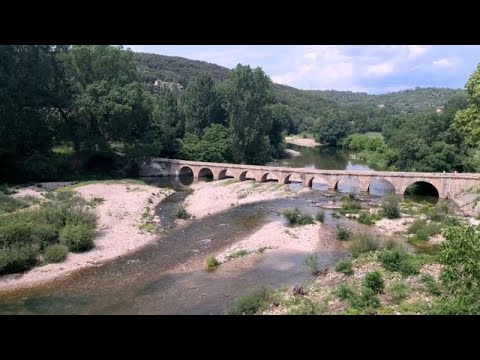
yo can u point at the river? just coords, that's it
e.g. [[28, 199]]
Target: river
[[156, 279]]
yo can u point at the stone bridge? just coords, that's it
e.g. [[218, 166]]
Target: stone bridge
[[448, 185]]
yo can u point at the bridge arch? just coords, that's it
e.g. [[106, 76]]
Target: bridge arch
[[225, 174], [247, 175], [421, 187], [270, 176], [185, 171], [347, 184], [293, 178], [205, 173], [381, 186], [317, 181]]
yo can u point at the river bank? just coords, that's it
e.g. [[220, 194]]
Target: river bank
[[300, 141], [118, 231]]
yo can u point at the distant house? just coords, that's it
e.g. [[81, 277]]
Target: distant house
[[170, 85], [439, 109], [381, 106]]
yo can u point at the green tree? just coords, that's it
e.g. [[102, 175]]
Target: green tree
[[332, 128], [28, 92], [281, 121], [248, 94], [461, 270], [202, 105], [167, 122], [213, 146], [468, 120]]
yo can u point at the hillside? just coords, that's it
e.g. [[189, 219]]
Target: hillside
[[304, 103]]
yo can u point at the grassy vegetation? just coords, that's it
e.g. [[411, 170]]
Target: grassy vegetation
[[399, 292], [344, 267], [55, 253], [432, 286], [320, 216], [296, 217], [238, 254], [6, 190], [28, 234], [422, 231], [211, 263], [367, 218], [312, 263], [367, 299], [343, 234], [181, 213], [9, 204], [399, 261], [251, 303], [390, 207], [349, 205], [96, 201], [373, 280]]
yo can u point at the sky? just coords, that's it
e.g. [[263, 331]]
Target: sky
[[374, 69]]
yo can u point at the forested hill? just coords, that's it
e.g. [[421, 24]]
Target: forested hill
[[304, 103]]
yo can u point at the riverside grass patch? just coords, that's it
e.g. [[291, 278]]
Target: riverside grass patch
[[35, 235]]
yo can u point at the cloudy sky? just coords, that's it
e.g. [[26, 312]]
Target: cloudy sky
[[372, 68]]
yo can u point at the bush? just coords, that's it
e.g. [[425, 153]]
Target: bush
[[6, 190], [312, 263], [344, 292], [374, 281], [349, 205], [15, 232], [422, 231], [44, 234], [251, 303], [343, 234], [431, 285], [399, 261], [211, 263], [344, 267], [77, 238], [320, 217], [390, 207], [296, 217], [366, 218], [182, 213], [399, 292], [366, 300], [9, 204], [362, 243], [18, 258], [55, 253]]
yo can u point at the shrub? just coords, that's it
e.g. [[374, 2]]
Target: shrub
[[399, 292], [9, 204], [343, 234], [349, 204], [366, 218], [390, 207], [422, 231], [16, 232], [98, 201], [77, 238], [44, 234], [239, 254], [366, 300], [18, 258], [211, 263], [362, 243], [251, 303], [431, 285], [307, 307], [312, 263], [320, 217], [182, 213], [6, 190], [344, 292], [374, 281], [344, 267], [398, 260], [296, 217], [55, 253]]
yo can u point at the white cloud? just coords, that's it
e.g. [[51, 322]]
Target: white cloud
[[415, 51], [380, 69], [444, 62]]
